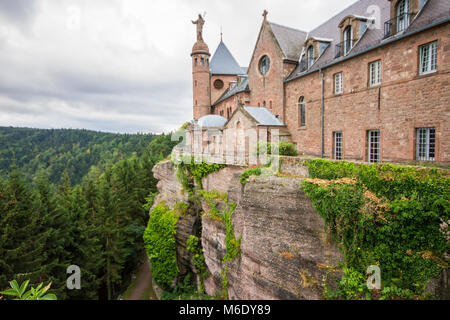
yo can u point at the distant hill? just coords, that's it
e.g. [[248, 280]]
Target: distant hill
[[52, 151]]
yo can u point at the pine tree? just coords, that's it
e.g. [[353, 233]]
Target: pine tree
[[21, 242], [54, 226]]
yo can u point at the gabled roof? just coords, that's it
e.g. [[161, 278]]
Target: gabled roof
[[290, 40], [264, 117], [261, 116], [243, 86], [223, 62]]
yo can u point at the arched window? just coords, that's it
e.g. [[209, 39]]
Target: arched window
[[301, 112], [310, 56], [402, 15], [270, 104], [348, 39]]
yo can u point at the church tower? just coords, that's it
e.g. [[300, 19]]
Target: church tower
[[201, 74]]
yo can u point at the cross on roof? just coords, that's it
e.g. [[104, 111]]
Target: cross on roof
[[265, 13]]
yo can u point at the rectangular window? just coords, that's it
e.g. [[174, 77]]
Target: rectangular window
[[338, 88], [337, 150], [428, 58], [375, 73], [302, 112], [426, 144], [302, 115], [373, 146]]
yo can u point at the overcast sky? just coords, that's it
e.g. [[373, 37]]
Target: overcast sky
[[123, 65]]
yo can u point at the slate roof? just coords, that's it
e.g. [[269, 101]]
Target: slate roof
[[264, 117], [212, 121], [241, 87], [290, 40], [432, 12], [223, 62]]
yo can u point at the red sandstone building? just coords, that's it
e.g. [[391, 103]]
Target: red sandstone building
[[370, 84]]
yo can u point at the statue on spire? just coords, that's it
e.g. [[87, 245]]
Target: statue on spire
[[200, 22], [265, 13]]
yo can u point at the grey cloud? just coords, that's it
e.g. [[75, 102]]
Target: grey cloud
[[18, 11], [127, 69]]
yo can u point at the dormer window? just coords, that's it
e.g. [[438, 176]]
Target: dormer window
[[310, 56], [348, 39], [352, 28], [402, 15]]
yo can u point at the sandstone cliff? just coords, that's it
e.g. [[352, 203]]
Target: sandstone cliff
[[285, 253]]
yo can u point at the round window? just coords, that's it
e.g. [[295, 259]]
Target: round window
[[264, 65], [218, 84]]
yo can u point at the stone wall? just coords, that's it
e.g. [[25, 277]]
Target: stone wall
[[403, 102]]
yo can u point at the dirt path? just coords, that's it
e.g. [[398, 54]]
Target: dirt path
[[143, 283]]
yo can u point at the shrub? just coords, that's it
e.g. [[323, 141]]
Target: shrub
[[389, 216], [284, 148], [197, 171], [20, 293], [248, 173], [159, 239]]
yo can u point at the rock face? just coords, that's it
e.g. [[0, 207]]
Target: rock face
[[284, 248], [285, 253], [170, 191]]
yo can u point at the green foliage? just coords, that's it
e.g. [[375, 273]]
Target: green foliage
[[49, 152], [185, 290], [390, 216], [197, 171], [352, 286], [225, 282], [233, 245], [20, 293], [284, 148], [330, 170], [248, 173], [97, 224], [159, 238], [198, 259], [182, 208], [213, 198]]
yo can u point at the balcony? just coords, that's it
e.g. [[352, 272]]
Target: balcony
[[398, 24], [343, 48]]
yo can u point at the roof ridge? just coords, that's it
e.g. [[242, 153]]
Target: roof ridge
[[337, 14], [286, 27]]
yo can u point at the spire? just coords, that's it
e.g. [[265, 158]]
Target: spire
[[265, 13], [221, 34], [223, 62]]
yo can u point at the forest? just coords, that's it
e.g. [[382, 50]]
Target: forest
[[75, 197], [40, 152]]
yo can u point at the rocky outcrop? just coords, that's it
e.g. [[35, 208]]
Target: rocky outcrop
[[285, 253], [171, 192]]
